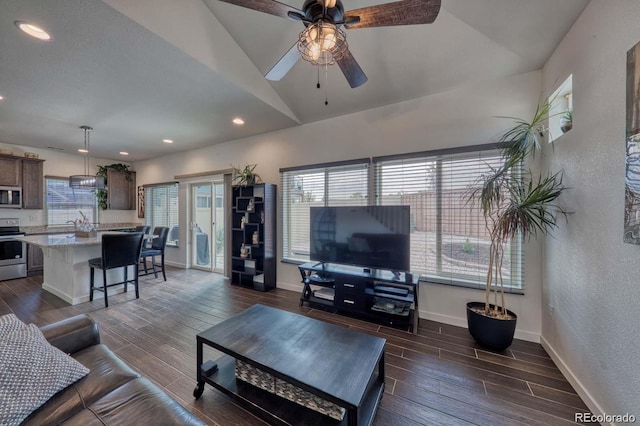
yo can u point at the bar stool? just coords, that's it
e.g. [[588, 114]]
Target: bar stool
[[118, 251], [145, 229], [158, 245]]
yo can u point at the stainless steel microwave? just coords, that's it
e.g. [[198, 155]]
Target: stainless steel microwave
[[11, 197]]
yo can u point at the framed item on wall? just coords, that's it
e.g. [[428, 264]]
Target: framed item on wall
[[632, 165], [141, 201]]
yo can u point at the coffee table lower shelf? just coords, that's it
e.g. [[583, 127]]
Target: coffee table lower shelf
[[280, 411]]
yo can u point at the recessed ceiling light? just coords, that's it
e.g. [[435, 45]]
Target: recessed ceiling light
[[167, 141], [1, 98], [238, 121], [82, 150], [124, 153], [33, 31]]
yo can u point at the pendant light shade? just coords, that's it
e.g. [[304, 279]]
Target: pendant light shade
[[86, 181]]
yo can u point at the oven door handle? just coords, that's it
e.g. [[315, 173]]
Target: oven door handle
[[9, 237]]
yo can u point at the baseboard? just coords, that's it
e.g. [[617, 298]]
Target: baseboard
[[287, 286], [529, 336], [60, 294], [588, 399], [176, 264]]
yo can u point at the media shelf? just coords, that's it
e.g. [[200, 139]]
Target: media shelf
[[377, 295], [253, 236]]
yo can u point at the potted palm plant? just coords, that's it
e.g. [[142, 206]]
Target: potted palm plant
[[515, 203]]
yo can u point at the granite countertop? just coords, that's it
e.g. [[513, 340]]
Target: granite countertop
[[35, 230], [63, 240]]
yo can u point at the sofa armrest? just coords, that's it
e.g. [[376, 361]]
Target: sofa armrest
[[73, 334]]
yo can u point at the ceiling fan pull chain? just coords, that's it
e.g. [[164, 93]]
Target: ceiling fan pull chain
[[318, 85], [326, 72]]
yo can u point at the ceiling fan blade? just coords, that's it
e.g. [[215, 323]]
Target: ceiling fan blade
[[351, 70], [404, 12], [271, 7], [282, 67]]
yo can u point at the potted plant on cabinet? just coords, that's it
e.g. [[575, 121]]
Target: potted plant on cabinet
[[566, 121], [245, 176], [515, 204], [101, 195]]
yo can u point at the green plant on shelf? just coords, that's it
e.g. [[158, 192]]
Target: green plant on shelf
[[101, 195]]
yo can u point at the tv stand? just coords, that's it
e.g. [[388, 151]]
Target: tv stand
[[388, 297]]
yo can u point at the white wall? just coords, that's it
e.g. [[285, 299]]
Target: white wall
[[62, 164], [591, 291], [461, 117]]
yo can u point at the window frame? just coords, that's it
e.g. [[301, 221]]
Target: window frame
[[95, 211], [328, 169], [149, 204], [516, 259]]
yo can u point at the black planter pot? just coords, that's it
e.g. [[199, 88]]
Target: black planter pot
[[491, 333]]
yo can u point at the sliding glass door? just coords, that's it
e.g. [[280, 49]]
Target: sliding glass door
[[207, 226]]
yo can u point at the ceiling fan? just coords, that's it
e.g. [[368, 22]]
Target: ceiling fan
[[323, 42]]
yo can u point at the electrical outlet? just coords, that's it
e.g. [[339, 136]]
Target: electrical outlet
[[551, 309]]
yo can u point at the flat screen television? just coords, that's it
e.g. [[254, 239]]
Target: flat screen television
[[369, 236]]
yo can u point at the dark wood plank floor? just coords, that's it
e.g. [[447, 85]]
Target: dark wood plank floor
[[439, 376]]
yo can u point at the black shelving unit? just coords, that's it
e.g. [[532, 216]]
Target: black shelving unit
[[253, 236]]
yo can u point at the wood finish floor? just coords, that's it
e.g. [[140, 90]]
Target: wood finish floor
[[439, 376]]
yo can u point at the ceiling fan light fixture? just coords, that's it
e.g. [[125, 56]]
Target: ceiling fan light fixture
[[322, 43]]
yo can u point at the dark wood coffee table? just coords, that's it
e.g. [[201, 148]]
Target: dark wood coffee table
[[337, 364]]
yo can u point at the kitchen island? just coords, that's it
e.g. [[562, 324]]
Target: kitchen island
[[66, 267]]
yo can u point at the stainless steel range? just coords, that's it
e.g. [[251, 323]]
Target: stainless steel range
[[13, 253]]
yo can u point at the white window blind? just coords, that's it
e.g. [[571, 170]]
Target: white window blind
[[161, 209], [65, 203], [449, 239], [335, 184]]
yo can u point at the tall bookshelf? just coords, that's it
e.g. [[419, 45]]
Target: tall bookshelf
[[253, 239]]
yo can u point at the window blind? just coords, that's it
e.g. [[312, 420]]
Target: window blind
[[449, 240], [334, 184], [162, 208], [65, 203]]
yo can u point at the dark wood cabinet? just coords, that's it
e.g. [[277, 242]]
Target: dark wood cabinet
[[10, 170], [377, 295], [253, 236], [35, 260], [121, 190], [32, 184]]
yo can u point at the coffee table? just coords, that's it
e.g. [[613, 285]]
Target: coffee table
[[342, 366]]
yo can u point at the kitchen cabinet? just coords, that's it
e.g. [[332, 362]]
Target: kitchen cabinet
[[32, 184], [10, 170], [121, 190], [35, 260]]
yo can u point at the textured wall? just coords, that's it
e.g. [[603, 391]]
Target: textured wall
[[591, 284], [465, 116]]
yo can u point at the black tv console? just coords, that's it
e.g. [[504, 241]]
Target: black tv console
[[378, 295]]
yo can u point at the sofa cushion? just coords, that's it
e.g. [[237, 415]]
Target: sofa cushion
[[107, 373], [31, 372], [138, 402], [9, 323]]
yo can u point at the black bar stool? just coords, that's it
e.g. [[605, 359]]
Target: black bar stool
[[118, 251], [158, 245], [145, 229]]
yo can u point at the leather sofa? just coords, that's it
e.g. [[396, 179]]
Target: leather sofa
[[111, 394]]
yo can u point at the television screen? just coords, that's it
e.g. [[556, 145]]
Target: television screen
[[368, 236]]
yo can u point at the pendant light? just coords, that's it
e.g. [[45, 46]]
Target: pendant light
[[86, 181]]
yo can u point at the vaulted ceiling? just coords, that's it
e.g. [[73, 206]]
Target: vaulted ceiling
[[146, 70]]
